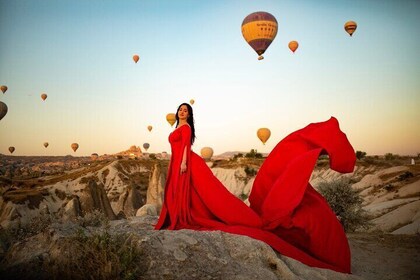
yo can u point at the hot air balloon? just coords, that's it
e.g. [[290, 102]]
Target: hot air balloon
[[44, 96], [11, 149], [171, 118], [293, 45], [74, 146], [46, 144], [4, 88], [259, 30], [263, 134], [207, 153], [3, 110], [192, 101], [150, 128], [350, 27], [146, 146], [136, 58]]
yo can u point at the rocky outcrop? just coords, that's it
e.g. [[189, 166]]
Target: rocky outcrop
[[237, 181], [130, 201], [182, 254], [154, 192], [9, 214], [93, 197], [72, 209]]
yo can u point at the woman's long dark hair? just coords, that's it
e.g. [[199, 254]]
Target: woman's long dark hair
[[190, 120]]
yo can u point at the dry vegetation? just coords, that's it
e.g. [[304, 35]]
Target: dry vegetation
[[85, 255]]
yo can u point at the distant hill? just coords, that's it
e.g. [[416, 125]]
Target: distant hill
[[230, 154], [227, 155]]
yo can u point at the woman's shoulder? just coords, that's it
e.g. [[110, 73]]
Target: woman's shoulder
[[184, 125]]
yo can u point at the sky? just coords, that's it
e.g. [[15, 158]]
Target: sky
[[80, 54]]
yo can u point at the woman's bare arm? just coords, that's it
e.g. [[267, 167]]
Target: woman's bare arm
[[184, 161]]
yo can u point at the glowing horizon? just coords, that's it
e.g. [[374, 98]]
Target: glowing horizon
[[80, 54]]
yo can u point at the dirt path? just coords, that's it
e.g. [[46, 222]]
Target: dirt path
[[385, 256]]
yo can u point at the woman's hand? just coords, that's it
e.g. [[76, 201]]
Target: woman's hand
[[183, 167]]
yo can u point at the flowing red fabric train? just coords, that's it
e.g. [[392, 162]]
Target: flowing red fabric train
[[285, 211]]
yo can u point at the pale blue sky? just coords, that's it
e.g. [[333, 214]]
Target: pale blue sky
[[80, 54]]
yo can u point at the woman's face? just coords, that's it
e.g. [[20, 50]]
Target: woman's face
[[183, 112]]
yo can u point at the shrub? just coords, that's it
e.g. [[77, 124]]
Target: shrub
[[390, 156], [406, 175], [250, 172], [152, 156], [98, 256], [360, 154], [346, 204], [95, 218], [238, 155], [389, 187], [243, 196], [253, 154]]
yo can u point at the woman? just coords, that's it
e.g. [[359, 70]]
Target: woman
[[285, 211]]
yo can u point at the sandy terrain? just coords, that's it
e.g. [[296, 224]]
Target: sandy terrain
[[385, 256]]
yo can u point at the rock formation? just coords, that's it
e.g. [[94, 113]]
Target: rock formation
[[183, 254], [93, 197], [154, 192]]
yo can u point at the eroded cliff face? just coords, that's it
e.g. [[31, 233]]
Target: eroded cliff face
[[127, 188], [155, 192], [118, 189]]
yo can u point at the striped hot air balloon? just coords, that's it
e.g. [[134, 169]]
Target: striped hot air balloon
[[259, 30], [350, 27]]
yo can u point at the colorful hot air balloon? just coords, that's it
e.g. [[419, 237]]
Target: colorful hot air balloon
[[150, 128], [263, 134], [3, 88], [192, 101], [259, 30], [46, 144], [171, 118], [74, 146], [44, 96], [136, 58], [11, 149], [3, 110], [350, 27], [207, 153], [146, 146], [293, 45]]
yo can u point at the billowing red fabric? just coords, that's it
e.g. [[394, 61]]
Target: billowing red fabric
[[285, 211]]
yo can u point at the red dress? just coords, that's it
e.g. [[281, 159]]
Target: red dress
[[285, 211]]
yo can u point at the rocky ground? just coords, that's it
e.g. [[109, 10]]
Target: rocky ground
[[131, 249], [79, 244], [385, 256]]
